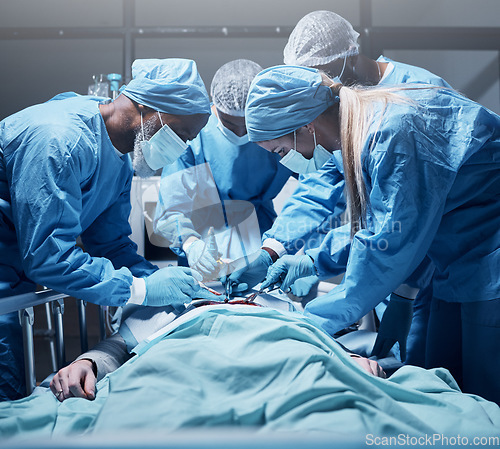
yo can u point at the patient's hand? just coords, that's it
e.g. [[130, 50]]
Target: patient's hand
[[74, 381], [370, 366]]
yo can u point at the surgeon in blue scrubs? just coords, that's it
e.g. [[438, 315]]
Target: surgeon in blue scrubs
[[240, 169], [422, 171], [326, 41], [65, 173]]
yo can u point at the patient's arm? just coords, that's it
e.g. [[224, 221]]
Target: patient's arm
[[108, 355], [79, 378]]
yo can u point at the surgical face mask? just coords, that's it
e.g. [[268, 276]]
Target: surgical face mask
[[297, 163], [163, 148], [231, 136]]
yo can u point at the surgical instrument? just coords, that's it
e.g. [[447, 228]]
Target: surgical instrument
[[226, 289], [259, 292]]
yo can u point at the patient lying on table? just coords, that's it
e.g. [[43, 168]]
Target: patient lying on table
[[244, 366], [79, 378]]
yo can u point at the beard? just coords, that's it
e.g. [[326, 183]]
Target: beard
[[141, 168]]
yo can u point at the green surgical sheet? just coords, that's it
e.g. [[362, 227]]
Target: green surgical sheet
[[258, 368]]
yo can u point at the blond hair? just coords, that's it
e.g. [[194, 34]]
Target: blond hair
[[356, 113]]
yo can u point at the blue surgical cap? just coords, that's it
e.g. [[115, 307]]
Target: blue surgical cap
[[284, 98], [173, 86]]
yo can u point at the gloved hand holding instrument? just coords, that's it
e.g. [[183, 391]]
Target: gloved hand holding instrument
[[246, 273], [203, 256], [287, 270], [175, 286]]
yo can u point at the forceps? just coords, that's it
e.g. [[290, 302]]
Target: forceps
[[254, 295], [226, 288]]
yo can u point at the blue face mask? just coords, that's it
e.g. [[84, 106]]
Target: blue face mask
[[163, 148], [231, 136], [297, 163]]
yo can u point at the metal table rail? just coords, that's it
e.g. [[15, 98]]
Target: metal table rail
[[54, 301]]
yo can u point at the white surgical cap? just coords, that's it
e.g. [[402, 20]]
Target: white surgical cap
[[320, 37], [230, 86]]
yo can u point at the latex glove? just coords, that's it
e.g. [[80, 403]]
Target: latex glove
[[253, 271], [287, 270], [175, 286], [202, 256], [394, 327], [75, 381], [301, 287]]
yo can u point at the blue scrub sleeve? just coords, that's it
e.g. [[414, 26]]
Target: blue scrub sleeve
[[46, 207], [407, 186], [108, 237], [331, 256], [314, 208], [170, 220]]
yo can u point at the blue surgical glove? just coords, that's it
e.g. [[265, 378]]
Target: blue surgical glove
[[202, 257], [287, 270], [253, 271], [301, 287], [175, 286], [394, 327]]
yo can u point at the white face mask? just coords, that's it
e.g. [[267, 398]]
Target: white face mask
[[297, 163], [231, 136], [163, 148]]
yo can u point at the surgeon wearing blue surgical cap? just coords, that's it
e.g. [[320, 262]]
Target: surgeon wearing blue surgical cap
[[64, 173], [422, 173], [327, 41]]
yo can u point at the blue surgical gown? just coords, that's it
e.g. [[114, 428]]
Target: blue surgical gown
[[433, 180], [60, 178], [318, 202], [247, 173]]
